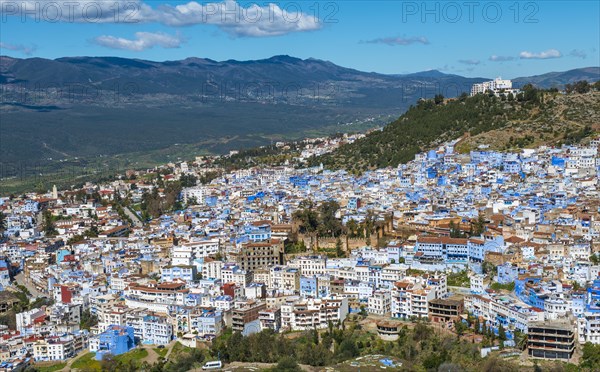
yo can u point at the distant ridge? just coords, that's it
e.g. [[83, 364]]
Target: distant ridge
[[103, 106]]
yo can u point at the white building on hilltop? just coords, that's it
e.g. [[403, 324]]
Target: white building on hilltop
[[498, 86]]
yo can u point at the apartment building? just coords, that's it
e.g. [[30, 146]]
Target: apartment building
[[59, 348], [156, 330], [310, 265], [380, 303], [410, 300], [303, 314], [270, 319], [155, 297], [257, 255], [244, 316], [498, 310], [551, 340], [285, 279], [233, 273], [444, 310]]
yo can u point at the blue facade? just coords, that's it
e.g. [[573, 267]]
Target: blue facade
[[308, 286], [512, 167], [115, 340], [558, 162], [258, 233], [170, 273], [507, 273], [60, 255]]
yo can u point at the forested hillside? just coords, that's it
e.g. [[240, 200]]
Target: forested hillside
[[508, 123]]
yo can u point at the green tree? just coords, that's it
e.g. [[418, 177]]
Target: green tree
[[2, 223], [339, 249], [455, 231], [352, 228], [88, 320], [582, 87], [287, 364], [479, 226], [460, 327], [501, 333], [307, 216], [48, 226], [590, 358], [329, 224]]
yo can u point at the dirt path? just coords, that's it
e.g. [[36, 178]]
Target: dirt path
[[152, 355], [70, 362], [255, 367]]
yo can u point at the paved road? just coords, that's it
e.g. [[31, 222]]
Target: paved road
[[134, 217], [20, 279]]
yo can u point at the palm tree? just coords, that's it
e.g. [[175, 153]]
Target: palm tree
[[520, 340]]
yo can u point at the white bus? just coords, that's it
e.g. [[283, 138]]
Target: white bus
[[213, 365]]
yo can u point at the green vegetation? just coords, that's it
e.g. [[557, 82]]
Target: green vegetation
[[2, 223], [144, 142], [88, 320], [87, 362], [48, 227], [420, 127], [459, 279], [154, 204], [161, 352], [506, 287], [590, 360], [432, 122], [488, 268], [581, 87], [134, 355], [287, 364], [294, 245], [271, 155], [51, 367], [420, 348], [321, 220], [92, 232]]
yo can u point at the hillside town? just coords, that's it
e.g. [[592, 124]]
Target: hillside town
[[499, 247]]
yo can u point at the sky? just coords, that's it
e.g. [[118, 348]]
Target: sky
[[469, 38]]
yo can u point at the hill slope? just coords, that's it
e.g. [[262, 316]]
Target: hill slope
[[560, 79], [102, 106], [545, 118], [82, 107]]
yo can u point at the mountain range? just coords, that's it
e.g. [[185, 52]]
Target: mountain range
[[75, 108]]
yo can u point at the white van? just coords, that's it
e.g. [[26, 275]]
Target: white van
[[213, 365]]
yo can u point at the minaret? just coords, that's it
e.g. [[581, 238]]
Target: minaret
[[54, 192]]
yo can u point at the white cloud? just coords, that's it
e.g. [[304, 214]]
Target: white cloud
[[469, 61], [495, 58], [579, 53], [18, 48], [398, 40], [550, 53], [142, 41], [252, 20]]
